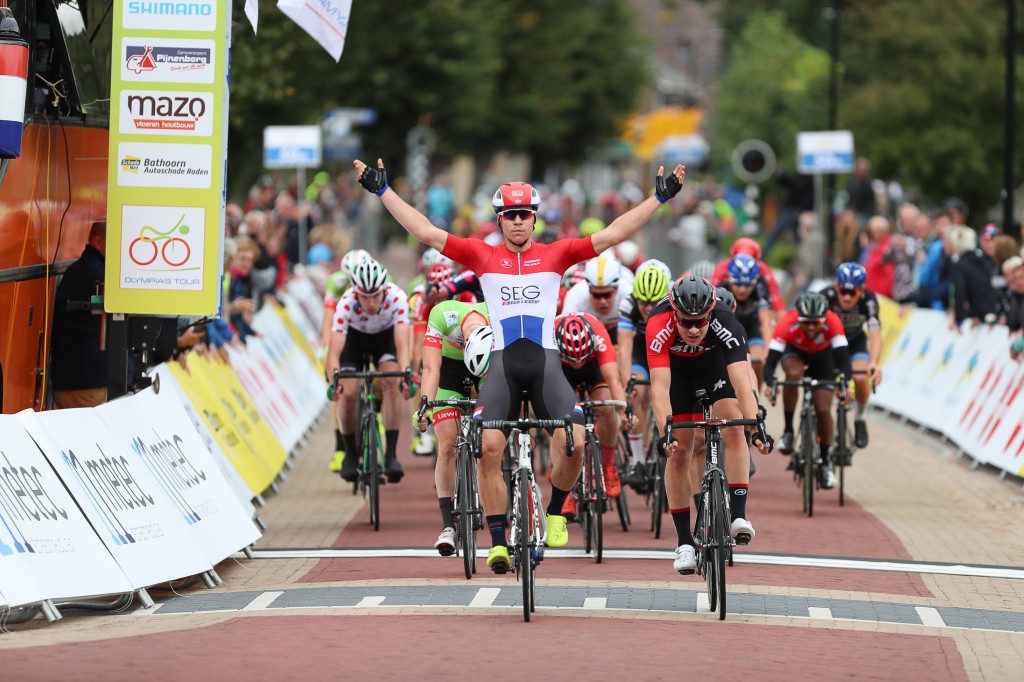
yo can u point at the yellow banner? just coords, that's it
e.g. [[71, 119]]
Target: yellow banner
[[893, 321]]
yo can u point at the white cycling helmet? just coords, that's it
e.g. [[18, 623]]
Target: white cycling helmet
[[477, 353], [602, 272], [654, 262], [430, 257], [627, 251], [369, 277], [353, 258]]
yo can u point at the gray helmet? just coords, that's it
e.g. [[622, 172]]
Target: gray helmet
[[810, 305], [726, 297], [692, 295]]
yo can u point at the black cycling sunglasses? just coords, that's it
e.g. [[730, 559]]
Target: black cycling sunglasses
[[692, 324], [602, 295], [513, 213], [849, 292]]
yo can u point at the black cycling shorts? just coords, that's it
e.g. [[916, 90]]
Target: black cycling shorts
[[588, 377], [707, 371], [380, 347], [820, 366], [453, 376], [525, 366]]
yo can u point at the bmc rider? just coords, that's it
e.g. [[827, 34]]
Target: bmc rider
[[450, 327], [372, 318], [588, 360], [520, 282], [857, 307], [810, 335], [692, 343], [752, 309]]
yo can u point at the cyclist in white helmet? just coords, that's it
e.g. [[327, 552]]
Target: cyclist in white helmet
[[371, 320], [605, 285], [520, 282]]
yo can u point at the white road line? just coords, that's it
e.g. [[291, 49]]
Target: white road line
[[370, 602], [819, 613], [261, 601], [485, 596], [595, 603], [1009, 573], [703, 603], [930, 617]]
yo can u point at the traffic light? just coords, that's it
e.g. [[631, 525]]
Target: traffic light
[[753, 161]]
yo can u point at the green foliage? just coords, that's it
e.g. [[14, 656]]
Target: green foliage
[[774, 86], [545, 77]]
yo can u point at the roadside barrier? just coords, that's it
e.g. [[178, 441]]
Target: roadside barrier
[[159, 485]]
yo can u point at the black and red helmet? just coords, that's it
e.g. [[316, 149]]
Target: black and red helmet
[[693, 296], [575, 338]]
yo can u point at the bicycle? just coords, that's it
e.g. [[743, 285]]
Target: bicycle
[[713, 533], [845, 445], [807, 462], [371, 463], [528, 529], [590, 489], [654, 472], [469, 513]]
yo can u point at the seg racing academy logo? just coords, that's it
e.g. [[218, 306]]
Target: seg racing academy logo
[[149, 112], [519, 295]]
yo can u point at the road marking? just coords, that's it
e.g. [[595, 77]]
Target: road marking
[[1009, 573], [485, 596], [703, 603], [261, 601], [819, 613], [930, 617], [595, 603], [371, 602]]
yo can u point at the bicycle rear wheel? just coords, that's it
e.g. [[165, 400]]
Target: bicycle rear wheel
[[843, 449], [720, 543], [527, 529], [658, 497], [622, 462]]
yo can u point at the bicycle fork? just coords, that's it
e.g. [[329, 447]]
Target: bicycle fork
[[538, 524]]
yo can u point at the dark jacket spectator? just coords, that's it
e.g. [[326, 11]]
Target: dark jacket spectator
[[79, 368], [970, 276], [1013, 268]]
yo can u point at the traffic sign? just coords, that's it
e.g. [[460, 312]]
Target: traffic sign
[[292, 147], [825, 151]]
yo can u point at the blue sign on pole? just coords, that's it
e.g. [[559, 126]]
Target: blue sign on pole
[[827, 151]]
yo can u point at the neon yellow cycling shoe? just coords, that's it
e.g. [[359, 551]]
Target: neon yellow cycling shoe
[[497, 559], [558, 533], [336, 460]]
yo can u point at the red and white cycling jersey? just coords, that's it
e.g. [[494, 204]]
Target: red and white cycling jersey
[[520, 289], [350, 315], [789, 332]]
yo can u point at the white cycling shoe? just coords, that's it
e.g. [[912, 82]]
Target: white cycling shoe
[[742, 532], [685, 562], [445, 544]]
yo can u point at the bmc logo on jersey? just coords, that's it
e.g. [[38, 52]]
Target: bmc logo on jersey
[[664, 336], [724, 334]]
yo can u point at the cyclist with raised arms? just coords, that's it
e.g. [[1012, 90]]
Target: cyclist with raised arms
[[589, 362], [692, 344], [753, 308], [451, 326], [520, 280], [810, 335], [372, 319], [650, 286], [857, 307], [605, 285]]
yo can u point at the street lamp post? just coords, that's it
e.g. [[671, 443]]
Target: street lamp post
[[1010, 226], [833, 15]]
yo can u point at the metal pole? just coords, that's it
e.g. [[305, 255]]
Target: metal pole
[[833, 15], [300, 191], [1010, 121]]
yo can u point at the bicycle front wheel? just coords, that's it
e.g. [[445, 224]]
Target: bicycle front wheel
[[843, 448], [622, 462], [596, 496], [810, 451], [658, 497], [372, 463], [527, 530], [467, 534], [720, 543]]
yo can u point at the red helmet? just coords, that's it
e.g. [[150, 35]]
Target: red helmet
[[575, 338], [746, 245], [515, 195], [439, 273]]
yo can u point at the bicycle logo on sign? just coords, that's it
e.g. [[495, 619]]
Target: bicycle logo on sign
[[175, 251]]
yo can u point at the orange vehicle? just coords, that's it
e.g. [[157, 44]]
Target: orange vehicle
[[58, 186]]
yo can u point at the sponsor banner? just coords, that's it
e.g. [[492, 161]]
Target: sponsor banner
[[268, 394], [158, 60], [162, 247], [127, 507], [163, 15], [893, 318], [167, 150], [227, 469], [155, 428], [292, 357], [149, 164], [160, 112], [43, 532]]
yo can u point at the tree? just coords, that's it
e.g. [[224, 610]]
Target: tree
[[773, 87]]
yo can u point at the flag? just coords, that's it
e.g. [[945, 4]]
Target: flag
[[325, 20], [252, 10]]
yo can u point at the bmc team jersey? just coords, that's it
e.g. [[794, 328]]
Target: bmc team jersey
[[864, 312], [520, 289], [350, 315], [664, 345], [444, 327], [789, 332]]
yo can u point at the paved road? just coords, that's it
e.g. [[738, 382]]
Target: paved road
[[918, 577]]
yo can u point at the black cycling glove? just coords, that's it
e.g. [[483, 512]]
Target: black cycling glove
[[376, 180], [666, 187]]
